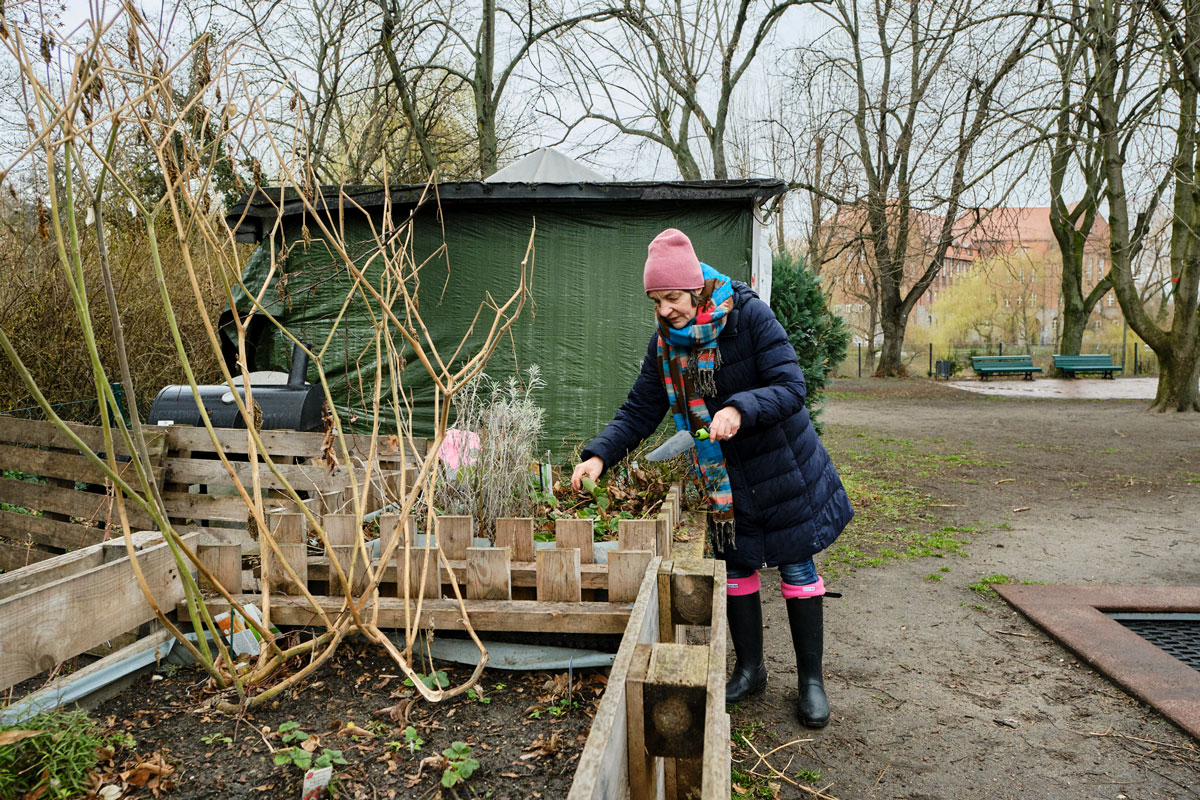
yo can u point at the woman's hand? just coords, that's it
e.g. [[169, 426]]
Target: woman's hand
[[725, 424], [587, 469]]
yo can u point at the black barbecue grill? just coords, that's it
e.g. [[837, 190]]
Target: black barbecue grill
[[295, 405]]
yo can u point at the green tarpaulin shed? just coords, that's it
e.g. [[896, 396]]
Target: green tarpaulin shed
[[588, 320]]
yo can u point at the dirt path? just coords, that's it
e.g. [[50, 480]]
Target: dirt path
[[941, 692]]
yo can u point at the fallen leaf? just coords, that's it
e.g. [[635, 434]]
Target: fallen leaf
[[12, 737], [311, 743]]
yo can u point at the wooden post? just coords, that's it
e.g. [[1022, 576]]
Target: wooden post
[[558, 577], [275, 576], [638, 534], [287, 528], [666, 629], [487, 573], [340, 529], [431, 587], [354, 567], [517, 534], [224, 561], [579, 533], [454, 536], [663, 533], [389, 528], [626, 568], [644, 774], [674, 698]]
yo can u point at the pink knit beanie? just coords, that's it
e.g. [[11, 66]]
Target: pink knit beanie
[[672, 263]]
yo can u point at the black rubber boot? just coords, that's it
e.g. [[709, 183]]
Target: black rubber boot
[[807, 622], [746, 630]]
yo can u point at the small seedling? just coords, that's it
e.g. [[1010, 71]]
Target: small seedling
[[500, 687], [810, 775], [216, 738], [290, 731], [412, 740], [379, 727], [477, 697], [459, 764], [437, 680], [560, 708], [304, 759]]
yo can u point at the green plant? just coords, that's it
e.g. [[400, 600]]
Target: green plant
[[290, 731], [216, 738], [436, 680], [412, 741], [561, 708], [459, 764], [477, 697], [378, 727], [985, 584], [50, 755], [305, 760], [933, 576], [810, 775]]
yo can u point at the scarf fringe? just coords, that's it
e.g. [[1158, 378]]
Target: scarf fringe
[[723, 535], [705, 378]]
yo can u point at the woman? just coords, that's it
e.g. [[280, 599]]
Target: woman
[[722, 363]]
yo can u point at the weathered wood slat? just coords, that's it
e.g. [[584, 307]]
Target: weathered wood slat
[[486, 615], [16, 556], [84, 505], [212, 472], [558, 575], [280, 444], [715, 780], [53, 622], [48, 532], [55, 464], [489, 573], [47, 434], [49, 570], [592, 576], [603, 770]]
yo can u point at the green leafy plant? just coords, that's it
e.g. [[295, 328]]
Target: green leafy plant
[[216, 738], [459, 764], [290, 731], [561, 708], [412, 740], [436, 680], [477, 697], [50, 755], [305, 760]]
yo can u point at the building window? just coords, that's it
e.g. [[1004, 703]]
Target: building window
[[1110, 300]]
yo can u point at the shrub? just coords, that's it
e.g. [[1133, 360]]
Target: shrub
[[55, 762], [819, 336]]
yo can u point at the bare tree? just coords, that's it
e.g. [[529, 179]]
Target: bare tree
[[1157, 97], [668, 72], [927, 81]]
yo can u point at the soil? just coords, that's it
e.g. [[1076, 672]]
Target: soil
[[940, 691], [523, 732]]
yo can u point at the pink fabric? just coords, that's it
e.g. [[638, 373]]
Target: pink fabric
[[459, 447], [672, 263], [807, 590], [736, 587]]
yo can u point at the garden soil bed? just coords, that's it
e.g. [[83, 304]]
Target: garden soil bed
[[524, 750]]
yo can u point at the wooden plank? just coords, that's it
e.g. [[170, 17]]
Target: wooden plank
[[49, 570], [288, 528], [715, 782], [691, 592], [643, 783], [454, 536], [421, 561], [674, 698], [578, 533], [96, 507], [591, 576], [354, 567], [274, 573], [488, 573], [638, 534], [49, 532], [626, 568], [666, 632], [516, 534], [663, 533], [211, 472], [280, 444], [56, 464], [19, 556], [188, 505], [558, 575], [486, 615], [224, 561], [340, 529], [602, 773], [42, 626], [47, 434]]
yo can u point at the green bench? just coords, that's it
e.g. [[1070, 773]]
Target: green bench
[[987, 366], [1092, 362]]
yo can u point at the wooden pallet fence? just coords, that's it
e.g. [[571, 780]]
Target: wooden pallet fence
[[63, 616], [660, 730]]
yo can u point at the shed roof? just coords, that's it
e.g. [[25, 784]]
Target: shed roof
[[546, 165], [257, 211]]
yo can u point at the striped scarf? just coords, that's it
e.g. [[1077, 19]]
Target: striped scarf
[[688, 359]]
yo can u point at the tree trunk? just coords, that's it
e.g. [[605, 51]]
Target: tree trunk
[[891, 362], [1072, 333], [1178, 375]]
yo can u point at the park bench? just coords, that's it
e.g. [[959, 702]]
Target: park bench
[[1092, 362], [987, 366]]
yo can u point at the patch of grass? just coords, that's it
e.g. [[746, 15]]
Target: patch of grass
[[1003, 526], [55, 761], [1111, 450], [750, 787], [1191, 477], [985, 584], [933, 576], [810, 775]]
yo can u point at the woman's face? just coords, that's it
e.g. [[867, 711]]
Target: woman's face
[[675, 306]]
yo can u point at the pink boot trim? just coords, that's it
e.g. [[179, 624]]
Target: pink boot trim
[[807, 590], [736, 587]]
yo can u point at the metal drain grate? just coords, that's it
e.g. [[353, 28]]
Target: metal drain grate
[[1177, 634]]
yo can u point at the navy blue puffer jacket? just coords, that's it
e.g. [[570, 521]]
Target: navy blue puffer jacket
[[788, 501]]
